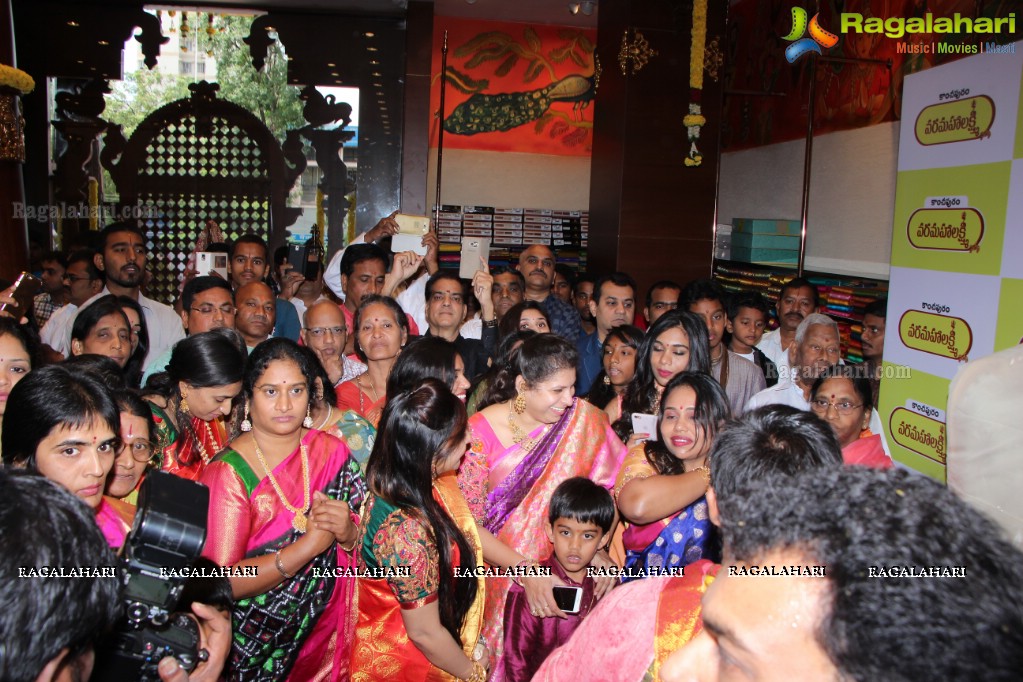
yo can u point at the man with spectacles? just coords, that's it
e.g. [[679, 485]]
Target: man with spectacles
[[815, 349], [206, 304], [82, 280], [446, 297], [325, 332], [536, 263]]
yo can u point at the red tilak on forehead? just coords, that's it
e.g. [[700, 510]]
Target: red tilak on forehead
[[130, 430]]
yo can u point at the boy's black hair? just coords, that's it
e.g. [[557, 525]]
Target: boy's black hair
[[700, 290], [747, 299], [582, 500]]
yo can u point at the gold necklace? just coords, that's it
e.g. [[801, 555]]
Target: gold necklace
[[202, 448], [519, 436], [300, 521], [330, 412]]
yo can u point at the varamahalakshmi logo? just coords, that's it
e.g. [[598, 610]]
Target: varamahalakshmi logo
[[818, 36]]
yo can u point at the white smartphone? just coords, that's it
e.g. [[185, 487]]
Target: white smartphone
[[645, 423], [568, 598], [209, 262], [473, 248], [411, 230]]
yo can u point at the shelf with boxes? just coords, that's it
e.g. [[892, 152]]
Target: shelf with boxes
[[843, 298], [512, 229]]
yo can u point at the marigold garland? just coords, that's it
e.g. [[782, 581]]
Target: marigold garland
[[695, 119], [12, 77]]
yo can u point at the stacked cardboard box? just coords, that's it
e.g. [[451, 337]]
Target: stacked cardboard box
[[766, 242]]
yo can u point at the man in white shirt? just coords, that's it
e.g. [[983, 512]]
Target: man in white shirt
[[798, 298], [815, 347], [122, 260]]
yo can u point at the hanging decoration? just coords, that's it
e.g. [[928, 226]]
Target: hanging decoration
[[13, 83], [93, 204], [695, 120]]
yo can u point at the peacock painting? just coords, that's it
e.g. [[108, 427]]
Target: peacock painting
[[520, 87]]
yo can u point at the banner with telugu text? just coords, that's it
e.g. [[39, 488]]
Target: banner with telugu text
[[957, 243]]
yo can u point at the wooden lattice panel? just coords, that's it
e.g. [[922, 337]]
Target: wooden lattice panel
[[196, 160], [188, 179]]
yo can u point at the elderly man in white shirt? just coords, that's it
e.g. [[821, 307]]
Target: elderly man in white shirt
[[816, 346]]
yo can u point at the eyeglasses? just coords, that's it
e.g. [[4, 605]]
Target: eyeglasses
[[317, 332], [209, 309], [845, 407], [141, 450]]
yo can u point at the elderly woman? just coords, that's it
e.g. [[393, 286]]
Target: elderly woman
[[102, 328], [381, 330], [530, 435], [845, 401]]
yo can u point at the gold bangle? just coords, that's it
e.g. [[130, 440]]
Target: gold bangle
[[280, 565], [355, 542]]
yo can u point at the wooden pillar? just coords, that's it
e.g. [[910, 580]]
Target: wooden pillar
[[416, 197], [13, 230], [650, 214]]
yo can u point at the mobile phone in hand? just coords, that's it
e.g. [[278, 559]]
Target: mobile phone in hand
[[568, 598], [24, 290], [645, 423]]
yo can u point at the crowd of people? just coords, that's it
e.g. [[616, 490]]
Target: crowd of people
[[525, 475]]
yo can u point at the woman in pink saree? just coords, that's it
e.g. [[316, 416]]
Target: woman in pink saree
[[283, 501], [530, 435]]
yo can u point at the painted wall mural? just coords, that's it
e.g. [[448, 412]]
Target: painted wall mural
[[515, 87]]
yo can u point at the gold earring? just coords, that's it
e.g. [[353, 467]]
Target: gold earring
[[183, 405], [308, 421], [607, 380], [246, 425], [519, 404]]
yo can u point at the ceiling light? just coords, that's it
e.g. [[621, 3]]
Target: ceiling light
[[331, 64], [371, 49], [369, 34], [103, 42], [73, 23], [376, 74]]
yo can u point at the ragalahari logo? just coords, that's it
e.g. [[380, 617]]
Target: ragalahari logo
[[818, 36]]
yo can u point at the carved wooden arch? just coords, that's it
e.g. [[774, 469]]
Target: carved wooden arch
[[195, 160]]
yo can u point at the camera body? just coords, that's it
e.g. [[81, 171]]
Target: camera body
[[167, 536]]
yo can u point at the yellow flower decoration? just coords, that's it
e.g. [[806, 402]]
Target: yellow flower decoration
[[12, 77], [694, 120]]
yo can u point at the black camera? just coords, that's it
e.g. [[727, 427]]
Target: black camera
[[166, 538]]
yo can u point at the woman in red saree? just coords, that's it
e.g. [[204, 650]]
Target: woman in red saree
[[381, 331], [192, 397], [845, 402], [284, 500], [529, 436]]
